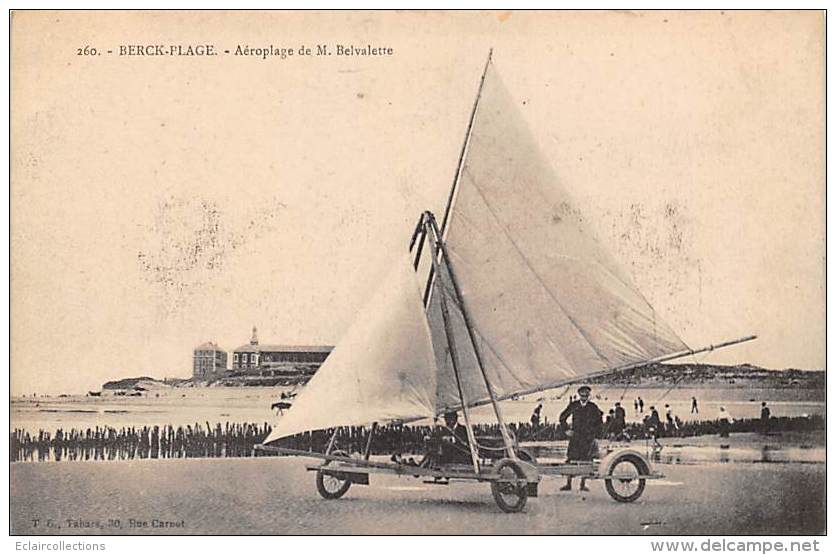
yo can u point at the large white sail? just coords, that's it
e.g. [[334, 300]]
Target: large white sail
[[382, 370], [545, 300]]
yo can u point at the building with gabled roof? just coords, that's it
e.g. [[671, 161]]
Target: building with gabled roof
[[254, 355]]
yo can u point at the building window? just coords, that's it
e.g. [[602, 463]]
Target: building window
[[254, 359], [235, 359]]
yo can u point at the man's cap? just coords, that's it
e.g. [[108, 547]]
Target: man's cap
[[584, 389], [450, 414]]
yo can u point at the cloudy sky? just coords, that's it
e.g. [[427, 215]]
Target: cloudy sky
[[160, 202]]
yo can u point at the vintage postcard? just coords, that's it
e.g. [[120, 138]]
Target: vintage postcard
[[377, 272]]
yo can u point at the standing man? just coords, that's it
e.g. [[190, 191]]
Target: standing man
[[694, 408], [671, 426], [535, 417], [725, 420], [764, 418], [653, 426], [619, 421], [586, 425], [641, 405]]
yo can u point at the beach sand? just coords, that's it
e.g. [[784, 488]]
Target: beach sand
[[277, 496]]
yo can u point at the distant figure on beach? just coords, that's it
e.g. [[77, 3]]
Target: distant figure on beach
[[765, 414], [671, 426], [652, 425], [636, 405], [694, 408], [619, 421], [654, 419], [535, 416], [641, 405], [725, 420]]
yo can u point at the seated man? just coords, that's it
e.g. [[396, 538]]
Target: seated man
[[455, 447], [449, 444]]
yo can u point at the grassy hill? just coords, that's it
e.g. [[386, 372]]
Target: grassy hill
[[707, 375]]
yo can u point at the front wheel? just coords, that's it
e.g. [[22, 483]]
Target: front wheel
[[332, 485], [625, 486], [510, 490]]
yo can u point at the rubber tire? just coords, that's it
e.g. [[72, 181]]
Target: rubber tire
[[642, 469], [522, 492], [320, 482]]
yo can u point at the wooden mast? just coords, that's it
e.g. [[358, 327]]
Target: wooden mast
[[506, 437], [451, 197], [454, 356]]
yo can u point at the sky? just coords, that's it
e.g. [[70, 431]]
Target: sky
[[161, 202]]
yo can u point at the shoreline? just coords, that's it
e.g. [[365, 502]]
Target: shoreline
[[742, 384]]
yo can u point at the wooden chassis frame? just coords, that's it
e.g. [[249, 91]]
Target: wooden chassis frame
[[587, 470]]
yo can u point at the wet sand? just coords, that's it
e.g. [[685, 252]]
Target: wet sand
[[277, 496], [186, 406]]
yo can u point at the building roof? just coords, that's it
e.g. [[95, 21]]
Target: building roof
[[248, 348], [208, 346]]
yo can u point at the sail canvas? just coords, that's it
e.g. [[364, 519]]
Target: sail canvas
[[546, 301], [382, 370]]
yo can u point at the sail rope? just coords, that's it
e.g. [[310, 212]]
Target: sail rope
[[671, 388], [623, 393], [694, 360]]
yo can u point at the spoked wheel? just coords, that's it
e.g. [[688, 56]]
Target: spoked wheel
[[332, 485], [626, 486], [510, 491]]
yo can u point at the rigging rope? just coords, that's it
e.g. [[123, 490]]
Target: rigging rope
[[682, 376], [623, 393], [675, 383]]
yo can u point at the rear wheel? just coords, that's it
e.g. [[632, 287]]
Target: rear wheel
[[510, 490], [626, 486], [330, 484]]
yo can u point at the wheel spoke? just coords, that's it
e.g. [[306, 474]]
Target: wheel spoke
[[509, 489], [624, 482]]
